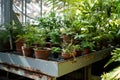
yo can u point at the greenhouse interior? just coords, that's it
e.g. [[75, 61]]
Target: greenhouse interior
[[59, 39]]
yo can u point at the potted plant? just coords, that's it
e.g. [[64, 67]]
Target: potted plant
[[69, 50], [17, 31], [56, 51], [78, 50], [40, 49], [87, 46], [27, 45], [7, 36], [28, 38]]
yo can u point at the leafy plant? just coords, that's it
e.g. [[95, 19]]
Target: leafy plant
[[4, 35], [115, 73], [70, 48], [112, 75], [50, 22], [29, 35], [40, 39], [86, 44], [115, 56], [55, 36], [56, 50]]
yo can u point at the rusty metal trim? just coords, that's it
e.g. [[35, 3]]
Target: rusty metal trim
[[29, 73]]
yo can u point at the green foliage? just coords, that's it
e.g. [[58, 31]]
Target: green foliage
[[112, 75], [70, 48], [86, 44], [4, 35], [29, 34], [77, 47], [56, 50], [40, 38], [50, 22], [115, 56], [67, 48], [55, 36], [115, 73]]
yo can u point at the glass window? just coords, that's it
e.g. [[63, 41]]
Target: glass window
[[30, 10]]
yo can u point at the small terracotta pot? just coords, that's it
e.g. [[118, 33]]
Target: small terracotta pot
[[19, 43], [27, 51], [42, 54], [68, 55], [86, 51]]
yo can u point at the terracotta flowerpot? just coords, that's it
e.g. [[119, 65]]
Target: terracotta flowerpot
[[19, 43], [27, 51], [86, 51], [42, 54], [68, 55]]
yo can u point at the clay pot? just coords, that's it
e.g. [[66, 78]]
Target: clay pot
[[86, 51], [27, 51], [42, 54], [67, 55], [19, 43]]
